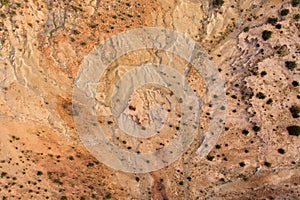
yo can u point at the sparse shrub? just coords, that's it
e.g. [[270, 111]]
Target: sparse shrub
[[218, 3], [266, 34], [278, 26], [93, 25], [245, 132], [90, 164], [290, 65], [267, 164], [295, 83], [295, 110], [269, 101], [108, 196], [297, 17], [281, 151], [282, 50], [2, 15], [263, 73], [210, 158], [71, 158], [4, 2], [246, 29], [284, 12], [295, 3], [39, 173], [260, 95], [293, 130], [272, 20], [242, 164], [76, 32], [256, 128], [3, 174]]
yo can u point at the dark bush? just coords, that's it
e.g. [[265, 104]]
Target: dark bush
[[295, 83], [272, 20], [284, 12], [293, 130], [269, 101], [297, 17], [242, 164], [260, 95], [266, 35], [295, 3], [263, 73], [256, 128], [39, 173], [278, 26], [290, 65], [218, 3], [281, 151], [295, 110], [245, 132], [246, 29], [267, 164]]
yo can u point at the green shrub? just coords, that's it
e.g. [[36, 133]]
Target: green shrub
[[290, 65], [297, 17], [282, 50], [4, 2], [284, 12], [266, 34], [2, 15], [293, 130]]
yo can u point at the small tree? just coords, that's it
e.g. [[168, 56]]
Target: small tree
[[266, 34]]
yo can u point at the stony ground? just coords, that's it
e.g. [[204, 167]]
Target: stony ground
[[254, 44]]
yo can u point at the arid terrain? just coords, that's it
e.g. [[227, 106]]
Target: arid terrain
[[255, 45]]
